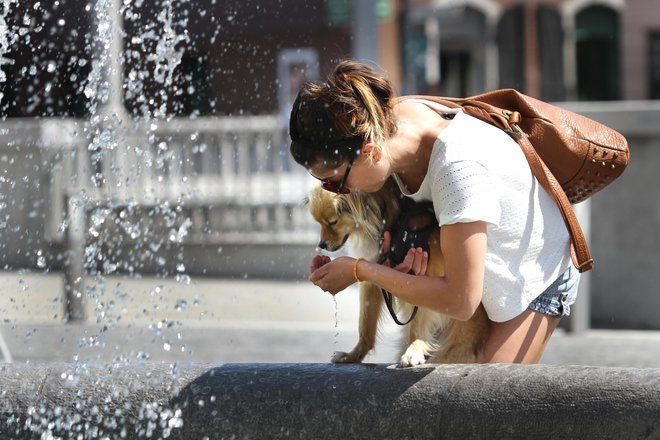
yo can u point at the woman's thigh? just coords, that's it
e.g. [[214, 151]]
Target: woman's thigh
[[520, 340]]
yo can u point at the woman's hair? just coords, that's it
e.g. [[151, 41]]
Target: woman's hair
[[331, 120]]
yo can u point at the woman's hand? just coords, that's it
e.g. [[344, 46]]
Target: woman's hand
[[317, 262], [332, 276], [336, 275], [415, 262]]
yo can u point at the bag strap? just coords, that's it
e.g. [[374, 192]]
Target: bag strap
[[508, 121], [579, 249]]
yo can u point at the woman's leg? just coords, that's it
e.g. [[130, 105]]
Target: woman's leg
[[520, 340]]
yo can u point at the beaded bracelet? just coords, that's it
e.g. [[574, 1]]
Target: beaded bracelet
[[355, 268]]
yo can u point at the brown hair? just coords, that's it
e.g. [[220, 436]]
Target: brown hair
[[331, 120]]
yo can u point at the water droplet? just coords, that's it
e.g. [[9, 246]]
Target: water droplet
[[181, 305], [183, 279], [41, 260]]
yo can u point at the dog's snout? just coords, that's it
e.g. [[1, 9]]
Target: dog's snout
[[323, 244]]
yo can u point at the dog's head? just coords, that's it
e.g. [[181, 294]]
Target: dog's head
[[359, 216], [331, 211]]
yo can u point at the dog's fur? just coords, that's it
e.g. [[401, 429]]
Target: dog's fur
[[361, 218]]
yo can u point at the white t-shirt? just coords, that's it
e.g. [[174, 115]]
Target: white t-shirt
[[477, 172]]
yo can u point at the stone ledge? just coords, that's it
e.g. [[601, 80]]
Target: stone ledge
[[323, 401]]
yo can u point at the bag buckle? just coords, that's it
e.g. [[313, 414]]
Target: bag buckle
[[587, 265], [514, 119]]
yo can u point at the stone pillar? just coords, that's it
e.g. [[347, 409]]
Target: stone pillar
[[365, 31], [492, 80], [107, 96], [580, 319], [74, 268], [532, 70], [570, 62]]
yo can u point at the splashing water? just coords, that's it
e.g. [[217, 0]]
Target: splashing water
[[167, 56], [110, 156], [107, 155], [98, 88], [7, 38]]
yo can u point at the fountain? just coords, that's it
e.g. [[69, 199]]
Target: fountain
[[129, 190]]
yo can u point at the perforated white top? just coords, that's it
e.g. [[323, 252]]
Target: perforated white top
[[477, 172]]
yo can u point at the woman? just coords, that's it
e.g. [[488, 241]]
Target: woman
[[503, 239]]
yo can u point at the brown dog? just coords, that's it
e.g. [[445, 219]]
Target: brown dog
[[361, 218]]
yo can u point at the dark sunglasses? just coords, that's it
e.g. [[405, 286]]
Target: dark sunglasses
[[339, 188]]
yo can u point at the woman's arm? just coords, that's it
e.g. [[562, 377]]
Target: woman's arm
[[457, 293]]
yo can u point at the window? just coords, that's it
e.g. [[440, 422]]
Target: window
[[654, 65], [192, 78], [597, 51]]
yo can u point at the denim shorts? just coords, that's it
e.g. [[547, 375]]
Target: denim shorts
[[557, 299]]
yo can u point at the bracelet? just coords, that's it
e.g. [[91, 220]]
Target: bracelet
[[355, 268]]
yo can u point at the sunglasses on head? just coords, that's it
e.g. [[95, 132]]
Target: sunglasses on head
[[338, 188]]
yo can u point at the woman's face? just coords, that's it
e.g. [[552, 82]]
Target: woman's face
[[362, 175]]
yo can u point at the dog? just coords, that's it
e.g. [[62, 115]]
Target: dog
[[359, 220]]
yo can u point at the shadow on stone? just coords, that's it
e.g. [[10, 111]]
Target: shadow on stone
[[300, 401]]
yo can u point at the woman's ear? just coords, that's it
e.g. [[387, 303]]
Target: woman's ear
[[372, 151]]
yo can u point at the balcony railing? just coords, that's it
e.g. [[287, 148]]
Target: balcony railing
[[229, 179]]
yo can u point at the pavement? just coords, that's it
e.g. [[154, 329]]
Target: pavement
[[233, 320]]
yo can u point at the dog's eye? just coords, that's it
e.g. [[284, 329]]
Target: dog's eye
[[332, 223]]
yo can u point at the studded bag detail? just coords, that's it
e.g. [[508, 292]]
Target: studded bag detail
[[572, 156]]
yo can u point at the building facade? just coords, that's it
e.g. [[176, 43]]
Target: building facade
[[230, 69], [236, 58], [552, 49]]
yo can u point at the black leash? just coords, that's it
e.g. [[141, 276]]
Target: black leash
[[388, 300]]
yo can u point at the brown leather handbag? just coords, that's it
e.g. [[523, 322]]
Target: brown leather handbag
[[572, 157]]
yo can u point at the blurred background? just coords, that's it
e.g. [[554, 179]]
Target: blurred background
[[149, 208]]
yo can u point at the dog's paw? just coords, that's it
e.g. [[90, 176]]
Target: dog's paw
[[411, 358], [341, 357]]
